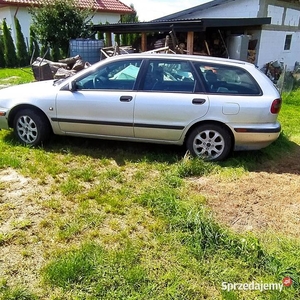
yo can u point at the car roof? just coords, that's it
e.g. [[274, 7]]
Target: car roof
[[210, 59]]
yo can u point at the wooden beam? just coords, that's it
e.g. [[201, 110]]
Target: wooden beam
[[190, 42], [144, 42], [108, 39]]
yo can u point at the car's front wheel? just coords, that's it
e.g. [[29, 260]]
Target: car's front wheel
[[31, 128], [210, 142]]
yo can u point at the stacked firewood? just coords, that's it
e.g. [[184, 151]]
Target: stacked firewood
[[251, 56]]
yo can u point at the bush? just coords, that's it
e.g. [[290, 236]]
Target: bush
[[34, 48]]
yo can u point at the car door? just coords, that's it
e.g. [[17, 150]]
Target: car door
[[170, 99], [102, 101]]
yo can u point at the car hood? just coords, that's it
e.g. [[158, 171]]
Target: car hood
[[38, 89]]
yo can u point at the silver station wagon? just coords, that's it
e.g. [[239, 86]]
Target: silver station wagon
[[211, 105]]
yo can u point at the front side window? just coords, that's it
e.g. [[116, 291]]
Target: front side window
[[169, 76], [222, 79], [118, 75]]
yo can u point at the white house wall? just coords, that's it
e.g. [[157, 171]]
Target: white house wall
[[5, 13], [276, 14], [231, 9], [292, 17], [104, 18], [25, 20], [272, 48], [285, 19]]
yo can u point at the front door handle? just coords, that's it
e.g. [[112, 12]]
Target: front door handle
[[126, 98], [198, 101]]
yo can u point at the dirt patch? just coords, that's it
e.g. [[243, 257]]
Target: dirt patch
[[25, 220], [3, 81], [265, 200], [21, 249]]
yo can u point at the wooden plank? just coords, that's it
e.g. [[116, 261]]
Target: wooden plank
[[207, 48], [144, 42], [190, 42]]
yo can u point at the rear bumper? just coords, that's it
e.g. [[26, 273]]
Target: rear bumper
[[255, 137]]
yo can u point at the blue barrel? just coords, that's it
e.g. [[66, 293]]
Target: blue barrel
[[88, 49]]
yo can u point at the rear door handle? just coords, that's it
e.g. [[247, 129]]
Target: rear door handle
[[198, 101], [126, 98]]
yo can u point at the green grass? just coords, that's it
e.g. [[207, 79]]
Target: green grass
[[15, 76], [115, 220], [289, 116]]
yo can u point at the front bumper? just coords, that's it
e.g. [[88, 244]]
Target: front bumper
[[3, 119]]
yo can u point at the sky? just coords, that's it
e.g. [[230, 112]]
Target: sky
[[148, 10]]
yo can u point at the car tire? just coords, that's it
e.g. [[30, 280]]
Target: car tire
[[31, 128], [210, 142]]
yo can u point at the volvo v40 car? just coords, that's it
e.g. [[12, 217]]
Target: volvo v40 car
[[211, 105]]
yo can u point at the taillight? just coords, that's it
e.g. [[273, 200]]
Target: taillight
[[276, 105]]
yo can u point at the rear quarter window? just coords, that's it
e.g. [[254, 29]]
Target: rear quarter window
[[221, 79]]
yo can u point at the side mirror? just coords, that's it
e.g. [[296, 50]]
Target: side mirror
[[72, 86]]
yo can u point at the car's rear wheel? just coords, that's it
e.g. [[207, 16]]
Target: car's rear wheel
[[31, 128], [210, 142]]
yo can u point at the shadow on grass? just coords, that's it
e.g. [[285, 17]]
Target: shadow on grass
[[274, 158], [120, 151]]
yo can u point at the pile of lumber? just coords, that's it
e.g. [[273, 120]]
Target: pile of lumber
[[44, 69]]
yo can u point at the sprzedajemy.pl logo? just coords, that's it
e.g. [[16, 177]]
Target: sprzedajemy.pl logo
[[257, 286]]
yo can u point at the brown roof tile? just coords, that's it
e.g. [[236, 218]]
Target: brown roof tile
[[99, 5]]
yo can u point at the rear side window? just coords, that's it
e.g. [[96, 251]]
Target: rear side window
[[222, 79], [169, 76]]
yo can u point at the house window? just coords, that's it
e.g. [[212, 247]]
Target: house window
[[288, 41]]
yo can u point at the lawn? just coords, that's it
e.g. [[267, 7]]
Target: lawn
[[91, 219]]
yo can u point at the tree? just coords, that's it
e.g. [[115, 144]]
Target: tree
[[46, 52], [34, 48], [55, 53], [129, 38], [2, 60], [10, 55], [57, 22], [22, 53]]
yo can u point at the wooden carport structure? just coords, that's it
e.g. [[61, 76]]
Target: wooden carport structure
[[188, 26]]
